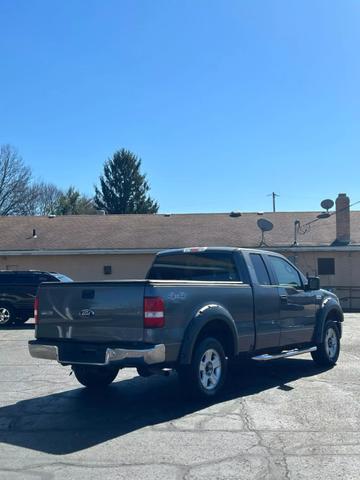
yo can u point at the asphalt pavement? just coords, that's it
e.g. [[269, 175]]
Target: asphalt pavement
[[286, 419]]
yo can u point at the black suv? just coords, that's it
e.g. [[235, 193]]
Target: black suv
[[17, 293]]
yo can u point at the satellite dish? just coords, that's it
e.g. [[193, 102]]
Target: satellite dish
[[265, 225], [327, 204]]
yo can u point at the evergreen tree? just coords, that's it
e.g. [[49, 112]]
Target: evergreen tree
[[123, 189], [73, 203]]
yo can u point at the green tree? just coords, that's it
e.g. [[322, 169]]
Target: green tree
[[123, 189], [72, 202]]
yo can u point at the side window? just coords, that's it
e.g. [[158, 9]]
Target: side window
[[28, 279], [262, 274], [6, 278], [286, 274], [22, 279], [43, 278]]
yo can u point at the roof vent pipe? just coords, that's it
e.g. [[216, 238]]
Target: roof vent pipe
[[235, 214], [34, 233], [296, 229]]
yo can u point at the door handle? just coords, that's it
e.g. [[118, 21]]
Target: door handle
[[283, 299]]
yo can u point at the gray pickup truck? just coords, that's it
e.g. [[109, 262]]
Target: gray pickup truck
[[197, 310]]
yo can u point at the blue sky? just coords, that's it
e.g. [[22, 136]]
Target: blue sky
[[224, 101]]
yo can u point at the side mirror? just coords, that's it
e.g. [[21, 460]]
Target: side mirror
[[313, 283]]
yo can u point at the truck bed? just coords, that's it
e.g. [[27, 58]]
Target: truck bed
[[112, 313]]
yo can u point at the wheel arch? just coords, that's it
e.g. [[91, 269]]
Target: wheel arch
[[331, 311], [7, 303], [212, 322]]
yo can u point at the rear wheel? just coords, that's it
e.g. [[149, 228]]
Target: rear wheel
[[206, 374], [328, 350], [7, 315], [95, 377]]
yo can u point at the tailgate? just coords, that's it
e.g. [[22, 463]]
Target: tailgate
[[91, 312]]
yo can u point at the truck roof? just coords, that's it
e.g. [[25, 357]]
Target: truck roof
[[22, 272], [213, 249]]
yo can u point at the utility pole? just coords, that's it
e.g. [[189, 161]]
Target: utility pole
[[273, 195]]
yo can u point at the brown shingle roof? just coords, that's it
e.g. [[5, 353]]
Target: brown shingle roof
[[162, 231]]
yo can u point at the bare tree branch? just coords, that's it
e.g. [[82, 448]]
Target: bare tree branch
[[19, 195], [43, 199], [15, 178]]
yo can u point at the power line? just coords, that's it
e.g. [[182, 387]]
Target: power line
[[303, 228]]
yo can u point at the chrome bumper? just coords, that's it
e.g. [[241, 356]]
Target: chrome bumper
[[149, 356]]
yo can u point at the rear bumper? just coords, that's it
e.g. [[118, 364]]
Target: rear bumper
[[126, 357]]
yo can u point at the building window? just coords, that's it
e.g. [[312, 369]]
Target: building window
[[107, 270], [326, 266]]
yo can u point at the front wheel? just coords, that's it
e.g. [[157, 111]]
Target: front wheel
[[95, 377], [328, 350], [206, 374]]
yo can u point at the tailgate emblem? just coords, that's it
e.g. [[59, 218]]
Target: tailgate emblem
[[86, 313]]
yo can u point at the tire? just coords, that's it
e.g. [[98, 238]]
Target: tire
[[95, 377], [328, 350], [21, 319], [7, 315], [206, 374]]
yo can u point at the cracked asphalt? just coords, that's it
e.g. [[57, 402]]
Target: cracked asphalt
[[286, 419]]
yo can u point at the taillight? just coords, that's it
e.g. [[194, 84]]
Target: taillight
[[36, 309], [154, 315]]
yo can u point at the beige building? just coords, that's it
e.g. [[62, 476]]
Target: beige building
[[110, 247]]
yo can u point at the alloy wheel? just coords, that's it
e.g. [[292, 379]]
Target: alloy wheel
[[331, 343], [4, 315], [210, 369]]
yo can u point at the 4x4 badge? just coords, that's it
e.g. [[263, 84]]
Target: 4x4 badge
[[86, 313]]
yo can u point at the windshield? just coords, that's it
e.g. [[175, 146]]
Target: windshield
[[61, 277]]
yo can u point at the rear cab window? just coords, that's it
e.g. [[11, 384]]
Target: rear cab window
[[200, 266]]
